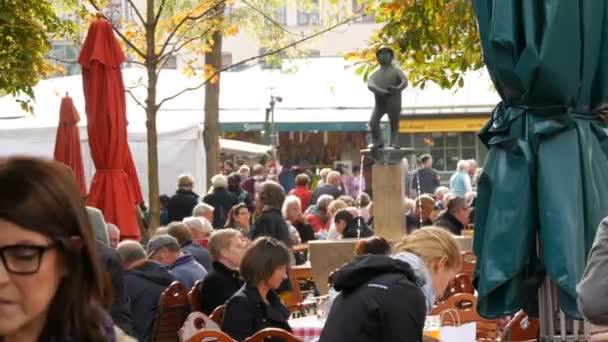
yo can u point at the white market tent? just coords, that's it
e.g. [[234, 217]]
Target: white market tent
[[318, 94]]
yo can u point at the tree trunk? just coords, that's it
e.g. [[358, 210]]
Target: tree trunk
[[212, 112], [151, 110]]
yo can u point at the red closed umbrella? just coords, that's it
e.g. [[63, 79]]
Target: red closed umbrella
[[67, 142], [104, 92]]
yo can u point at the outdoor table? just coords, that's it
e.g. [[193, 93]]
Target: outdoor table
[[308, 329]]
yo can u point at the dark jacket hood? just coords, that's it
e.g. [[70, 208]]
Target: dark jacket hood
[[364, 268], [153, 272]]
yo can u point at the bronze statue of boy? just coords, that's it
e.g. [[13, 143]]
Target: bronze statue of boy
[[386, 83]]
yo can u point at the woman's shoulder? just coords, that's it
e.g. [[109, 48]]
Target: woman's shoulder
[[121, 336]]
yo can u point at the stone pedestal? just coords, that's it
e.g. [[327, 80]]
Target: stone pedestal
[[388, 178]]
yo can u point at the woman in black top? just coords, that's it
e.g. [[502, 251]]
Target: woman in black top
[[271, 222], [256, 306], [226, 247]]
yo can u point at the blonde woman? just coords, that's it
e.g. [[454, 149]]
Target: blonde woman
[[385, 298]]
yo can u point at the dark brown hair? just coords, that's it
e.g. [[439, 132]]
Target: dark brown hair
[[234, 211], [262, 258], [40, 196], [373, 245], [272, 194], [180, 232]]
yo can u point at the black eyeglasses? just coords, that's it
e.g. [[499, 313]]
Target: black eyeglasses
[[23, 259]]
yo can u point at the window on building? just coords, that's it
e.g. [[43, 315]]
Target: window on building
[[171, 63], [368, 18], [281, 15], [309, 13], [66, 57], [226, 59], [445, 148]]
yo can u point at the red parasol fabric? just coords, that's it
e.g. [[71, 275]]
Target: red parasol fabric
[[104, 92], [67, 142], [133, 180]]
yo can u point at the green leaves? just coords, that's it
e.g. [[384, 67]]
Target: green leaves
[[434, 40], [25, 26]]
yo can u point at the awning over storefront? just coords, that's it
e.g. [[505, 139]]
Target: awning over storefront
[[442, 124]]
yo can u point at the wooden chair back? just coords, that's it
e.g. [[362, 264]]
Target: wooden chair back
[[465, 306], [171, 313], [467, 262], [210, 335], [293, 298], [262, 335], [218, 315], [462, 283], [521, 328], [196, 322], [194, 297]]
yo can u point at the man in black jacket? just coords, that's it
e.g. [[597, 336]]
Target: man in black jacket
[[221, 200], [428, 177], [227, 247], [456, 217], [181, 204], [379, 302], [145, 282]]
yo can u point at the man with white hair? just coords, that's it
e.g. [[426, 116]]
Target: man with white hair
[[113, 234], [460, 182], [200, 228], [332, 187], [221, 200], [203, 210], [181, 204]]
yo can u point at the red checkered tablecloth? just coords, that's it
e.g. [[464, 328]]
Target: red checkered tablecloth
[[307, 328]]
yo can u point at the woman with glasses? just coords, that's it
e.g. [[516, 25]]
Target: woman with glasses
[[256, 306], [239, 218], [51, 285]]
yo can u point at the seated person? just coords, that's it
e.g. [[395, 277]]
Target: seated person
[[145, 281], [420, 215], [592, 290], [256, 306], [201, 229], [318, 214], [456, 217], [165, 250], [227, 247], [387, 298], [292, 212], [181, 232], [349, 226], [373, 245]]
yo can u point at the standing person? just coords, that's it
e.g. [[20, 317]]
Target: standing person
[[220, 199], [227, 247], [426, 175], [165, 250], [472, 172], [460, 182], [239, 218], [386, 299], [51, 282], [234, 187], [256, 306], [287, 178], [456, 217], [332, 187], [145, 281], [271, 222], [258, 177], [302, 190], [181, 204], [292, 212], [355, 183]]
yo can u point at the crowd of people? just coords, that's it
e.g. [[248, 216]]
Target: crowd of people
[[235, 243]]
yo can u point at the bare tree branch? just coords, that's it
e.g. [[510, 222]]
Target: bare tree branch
[[137, 86], [185, 19], [137, 63], [177, 47], [137, 13], [66, 61], [269, 53], [122, 36], [159, 13], [136, 99], [270, 19]]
